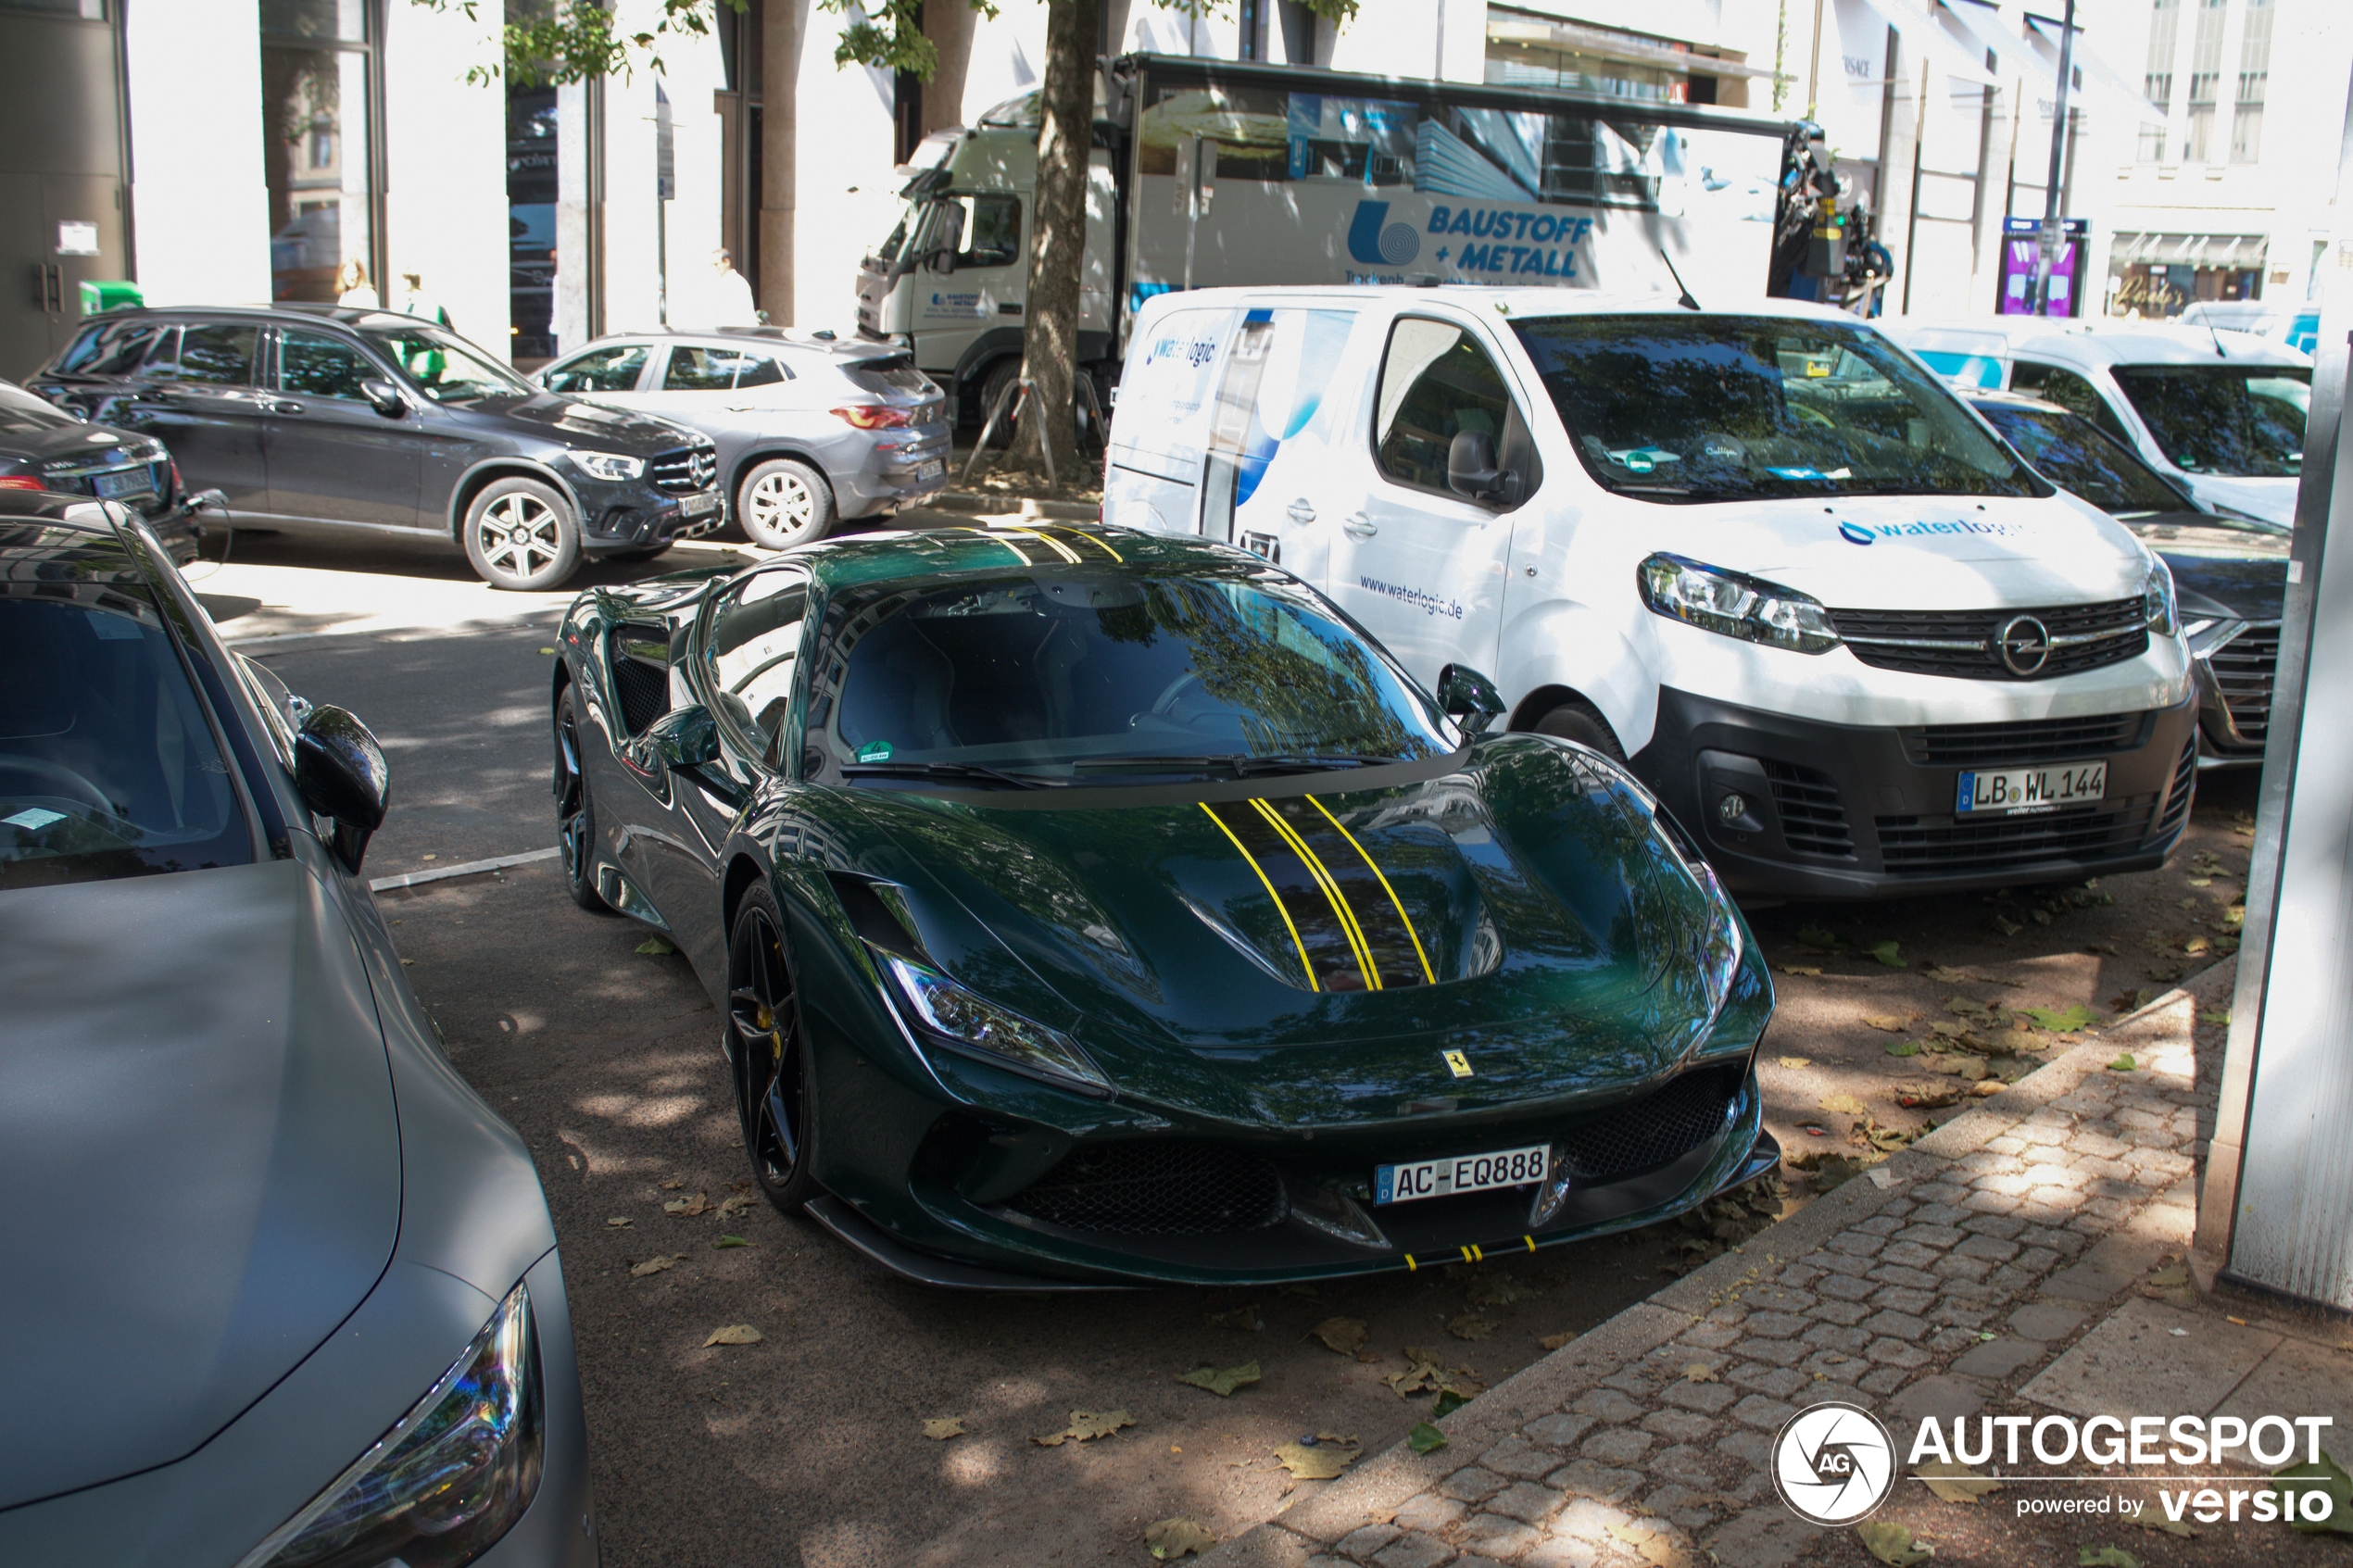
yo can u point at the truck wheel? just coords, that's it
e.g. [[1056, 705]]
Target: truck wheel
[[519, 534], [1580, 720], [784, 503], [1001, 376]]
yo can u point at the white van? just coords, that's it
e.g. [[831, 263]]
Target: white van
[[2221, 411], [1826, 616]]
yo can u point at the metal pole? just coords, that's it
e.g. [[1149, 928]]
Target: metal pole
[[2053, 237]]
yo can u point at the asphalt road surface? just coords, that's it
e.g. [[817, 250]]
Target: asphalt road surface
[[808, 1447]]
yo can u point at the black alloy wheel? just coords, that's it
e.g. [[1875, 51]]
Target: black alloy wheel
[[575, 816], [772, 1059]]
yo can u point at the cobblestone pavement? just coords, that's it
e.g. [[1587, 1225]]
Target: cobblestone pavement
[[1647, 1439]]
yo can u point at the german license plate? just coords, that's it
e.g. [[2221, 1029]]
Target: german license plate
[[1468, 1172], [2009, 792], [697, 506], [932, 470], [126, 482]]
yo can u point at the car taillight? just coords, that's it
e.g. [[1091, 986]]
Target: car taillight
[[177, 487], [868, 416], [21, 482]]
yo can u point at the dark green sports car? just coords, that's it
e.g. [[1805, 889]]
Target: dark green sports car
[[1093, 907]]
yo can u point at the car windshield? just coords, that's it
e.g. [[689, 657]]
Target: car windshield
[[107, 766], [446, 367], [2229, 420], [1113, 677], [2072, 453], [1682, 408]]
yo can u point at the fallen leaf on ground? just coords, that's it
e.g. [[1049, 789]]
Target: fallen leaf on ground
[[1173, 1539], [2003, 927], [734, 1333], [1797, 1063], [1893, 1023], [619, 1223], [1323, 1460], [1945, 976], [407, 960], [674, 1183], [2105, 1557], [1902, 1047], [1819, 936], [1955, 1483], [1086, 1426], [2196, 944], [1844, 1105], [1343, 1335], [1449, 1401], [2123, 1064], [2201, 881], [1887, 953], [546, 650], [689, 1207], [2328, 1477], [2107, 947], [1425, 1439], [655, 1265], [2060, 1020], [724, 1242], [1699, 1372], [1221, 1381], [1244, 1318], [731, 1206], [1892, 1544], [1497, 1290], [1470, 1327], [1987, 1087], [1555, 1341], [945, 1428], [2215, 1015], [1812, 971], [654, 946]]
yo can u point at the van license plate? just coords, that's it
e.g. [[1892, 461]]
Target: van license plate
[[2010, 791], [1469, 1173]]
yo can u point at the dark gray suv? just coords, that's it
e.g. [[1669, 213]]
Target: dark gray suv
[[320, 417]]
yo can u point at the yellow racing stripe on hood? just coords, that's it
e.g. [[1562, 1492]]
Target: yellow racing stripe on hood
[[1263, 881], [1366, 970], [1373, 866]]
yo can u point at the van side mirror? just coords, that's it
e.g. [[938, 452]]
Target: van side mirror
[[1471, 471], [1469, 698], [385, 397], [341, 775]]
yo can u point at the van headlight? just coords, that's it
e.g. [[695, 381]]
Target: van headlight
[[1734, 606], [956, 1015], [450, 1478], [614, 466], [2156, 599]]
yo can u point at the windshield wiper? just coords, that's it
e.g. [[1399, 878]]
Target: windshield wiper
[[1240, 765], [947, 771]]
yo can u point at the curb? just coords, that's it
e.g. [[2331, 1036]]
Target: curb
[[1021, 506], [465, 868], [1386, 1481]]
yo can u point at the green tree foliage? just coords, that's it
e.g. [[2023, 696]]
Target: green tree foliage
[[561, 42]]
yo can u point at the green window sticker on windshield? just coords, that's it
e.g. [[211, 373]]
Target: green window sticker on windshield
[[875, 751]]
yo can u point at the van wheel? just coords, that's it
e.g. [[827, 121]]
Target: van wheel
[[520, 534], [1580, 720], [784, 503]]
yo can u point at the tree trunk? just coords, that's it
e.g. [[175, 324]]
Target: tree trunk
[[780, 35], [1058, 231]]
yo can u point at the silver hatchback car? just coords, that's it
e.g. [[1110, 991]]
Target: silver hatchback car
[[811, 429]]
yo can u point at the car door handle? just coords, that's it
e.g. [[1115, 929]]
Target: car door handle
[[280, 406], [1299, 511], [1359, 526]]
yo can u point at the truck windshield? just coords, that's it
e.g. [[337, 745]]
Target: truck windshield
[[1115, 677], [2228, 421], [1691, 407]]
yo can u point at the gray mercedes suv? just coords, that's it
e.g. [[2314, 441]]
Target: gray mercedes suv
[[321, 418]]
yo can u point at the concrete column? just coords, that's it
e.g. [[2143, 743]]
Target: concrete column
[[200, 205], [445, 157]]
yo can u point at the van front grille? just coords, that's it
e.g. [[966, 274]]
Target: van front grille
[[2036, 740], [1962, 642]]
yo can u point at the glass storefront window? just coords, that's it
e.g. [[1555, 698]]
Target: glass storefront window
[[317, 149]]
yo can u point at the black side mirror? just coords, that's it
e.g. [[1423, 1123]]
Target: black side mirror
[[341, 773], [1468, 696], [385, 397], [1471, 471], [685, 738]]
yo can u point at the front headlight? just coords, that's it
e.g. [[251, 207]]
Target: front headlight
[[1734, 606], [957, 1015], [2156, 599], [613, 466], [448, 1480]]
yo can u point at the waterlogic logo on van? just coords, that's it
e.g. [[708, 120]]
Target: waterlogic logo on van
[[1871, 533], [1376, 245], [1835, 1463], [1429, 604]]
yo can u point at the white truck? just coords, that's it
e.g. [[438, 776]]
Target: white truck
[[1210, 172]]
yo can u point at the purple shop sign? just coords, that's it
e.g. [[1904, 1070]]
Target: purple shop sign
[[2022, 246]]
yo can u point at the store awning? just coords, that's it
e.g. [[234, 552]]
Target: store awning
[[2094, 69], [2188, 250], [1519, 27], [1982, 24], [1922, 37]]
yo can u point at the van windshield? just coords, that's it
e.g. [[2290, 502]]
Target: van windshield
[[1688, 408], [2223, 419]]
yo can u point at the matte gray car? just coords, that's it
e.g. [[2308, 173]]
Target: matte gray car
[[281, 1287], [811, 429]]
